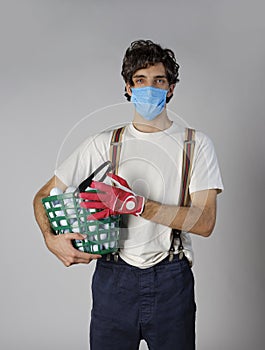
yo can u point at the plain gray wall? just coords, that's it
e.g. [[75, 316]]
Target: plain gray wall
[[60, 62]]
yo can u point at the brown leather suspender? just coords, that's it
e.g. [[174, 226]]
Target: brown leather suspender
[[115, 148]]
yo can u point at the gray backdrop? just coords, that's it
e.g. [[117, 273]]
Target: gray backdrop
[[60, 64]]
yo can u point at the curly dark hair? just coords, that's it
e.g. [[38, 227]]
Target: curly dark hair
[[145, 53]]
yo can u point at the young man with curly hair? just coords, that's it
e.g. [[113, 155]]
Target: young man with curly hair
[[148, 292]]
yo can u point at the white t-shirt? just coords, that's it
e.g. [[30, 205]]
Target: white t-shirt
[[152, 165]]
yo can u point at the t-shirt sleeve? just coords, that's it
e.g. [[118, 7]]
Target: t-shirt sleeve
[[205, 170], [85, 159]]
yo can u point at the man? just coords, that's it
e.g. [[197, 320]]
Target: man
[[145, 294]]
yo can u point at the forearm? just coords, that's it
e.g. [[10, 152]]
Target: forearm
[[191, 219], [39, 211], [41, 217]]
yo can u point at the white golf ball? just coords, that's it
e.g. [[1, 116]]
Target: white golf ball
[[68, 202], [113, 233], [75, 223], [47, 205], [92, 228], [96, 248], [70, 189], [59, 211], [63, 222], [106, 245], [69, 210], [112, 244], [103, 236], [54, 224], [55, 191], [75, 227]]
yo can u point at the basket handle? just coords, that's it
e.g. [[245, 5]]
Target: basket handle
[[84, 184]]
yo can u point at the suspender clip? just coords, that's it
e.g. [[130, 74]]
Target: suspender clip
[[171, 255]]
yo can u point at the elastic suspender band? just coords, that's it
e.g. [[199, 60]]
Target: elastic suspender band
[[184, 201], [115, 148], [115, 153], [188, 152]]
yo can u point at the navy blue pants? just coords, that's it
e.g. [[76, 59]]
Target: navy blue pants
[[155, 304]]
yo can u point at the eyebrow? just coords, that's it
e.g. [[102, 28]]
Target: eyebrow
[[160, 76], [144, 76], [139, 76]]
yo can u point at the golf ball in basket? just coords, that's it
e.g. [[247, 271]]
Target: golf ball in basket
[[95, 238], [112, 244], [69, 209], [58, 212], [96, 248], [92, 228], [75, 227], [47, 205], [63, 222], [55, 191], [106, 245], [103, 236], [51, 215], [92, 211], [113, 234], [70, 189]]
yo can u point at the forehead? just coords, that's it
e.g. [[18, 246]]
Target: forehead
[[158, 69]]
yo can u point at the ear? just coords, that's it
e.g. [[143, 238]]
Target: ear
[[171, 90], [128, 89]]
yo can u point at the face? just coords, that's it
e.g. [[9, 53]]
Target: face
[[152, 76]]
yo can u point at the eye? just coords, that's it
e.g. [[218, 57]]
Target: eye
[[161, 81]]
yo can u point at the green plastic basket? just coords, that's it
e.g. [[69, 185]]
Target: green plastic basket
[[66, 216]]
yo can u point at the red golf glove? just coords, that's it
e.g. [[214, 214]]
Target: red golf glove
[[112, 200]]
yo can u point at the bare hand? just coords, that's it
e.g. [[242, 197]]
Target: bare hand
[[62, 247]]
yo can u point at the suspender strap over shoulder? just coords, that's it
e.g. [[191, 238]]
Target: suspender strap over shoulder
[[115, 153], [184, 200], [188, 151], [115, 148]]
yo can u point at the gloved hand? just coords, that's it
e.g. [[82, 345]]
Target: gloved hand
[[112, 200]]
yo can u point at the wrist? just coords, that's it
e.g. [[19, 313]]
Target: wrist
[[150, 209], [140, 205], [48, 236]]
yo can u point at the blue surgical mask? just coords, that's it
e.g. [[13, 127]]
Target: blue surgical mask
[[149, 102]]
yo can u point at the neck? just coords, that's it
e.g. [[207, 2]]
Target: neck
[[160, 123]]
